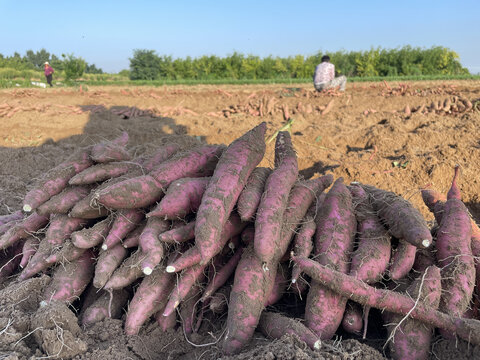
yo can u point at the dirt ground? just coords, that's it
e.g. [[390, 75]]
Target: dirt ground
[[396, 136]]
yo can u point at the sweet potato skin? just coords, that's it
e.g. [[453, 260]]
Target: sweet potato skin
[[412, 339], [268, 220], [370, 259], [251, 287], [229, 178], [251, 195], [402, 219]]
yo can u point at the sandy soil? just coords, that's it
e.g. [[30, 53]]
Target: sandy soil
[[370, 134]]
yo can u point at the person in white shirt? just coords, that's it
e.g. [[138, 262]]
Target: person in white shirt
[[324, 76]]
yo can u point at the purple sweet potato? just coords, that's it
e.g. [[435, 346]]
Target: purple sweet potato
[[183, 197], [402, 219], [333, 245], [85, 209], [145, 190], [364, 294], [275, 325], [150, 296], [107, 263], [104, 171], [30, 247], [10, 260], [454, 255], [188, 278], [129, 271], [402, 260], [410, 338], [59, 230], [279, 285], [251, 288], [370, 260], [303, 243], [150, 245], [352, 321], [229, 178], [89, 237], [70, 279], [188, 308], [15, 216], [133, 237], [114, 150], [301, 197], [269, 217], [125, 221], [221, 275], [22, 229], [179, 234], [56, 179], [251, 195], [231, 228], [107, 305], [64, 201]]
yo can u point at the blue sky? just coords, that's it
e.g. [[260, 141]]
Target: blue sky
[[105, 33]]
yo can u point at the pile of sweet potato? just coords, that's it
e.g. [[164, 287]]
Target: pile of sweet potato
[[180, 234]]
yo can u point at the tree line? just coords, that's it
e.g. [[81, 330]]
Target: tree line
[[35, 60], [405, 61]]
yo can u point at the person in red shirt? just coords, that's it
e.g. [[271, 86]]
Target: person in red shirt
[[324, 76], [48, 73]]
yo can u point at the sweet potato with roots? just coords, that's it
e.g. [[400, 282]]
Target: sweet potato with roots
[[251, 288], [269, 217], [125, 221], [150, 245], [403, 258], [15, 216], [70, 279], [107, 263], [56, 179], [129, 271], [64, 201], [276, 325], [133, 237], [333, 245], [104, 171], [179, 234], [372, 255], [352, 321], [364, 294], [229, 178], [30, 247], [410, 338], [303, 194], [454, 254], [402, 219], [23, 229], [92, 236], [145, 190], [303, 243], [59, 230], [183, 197], [107, 305], [231, 228], [251, 195], [114, 150], [150, 296], [221, 275], [188, 278]]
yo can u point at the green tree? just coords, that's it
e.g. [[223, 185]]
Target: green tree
[[144, 65], [73, 66], [37, 59]]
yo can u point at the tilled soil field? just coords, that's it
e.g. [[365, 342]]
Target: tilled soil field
[[400, 137]]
